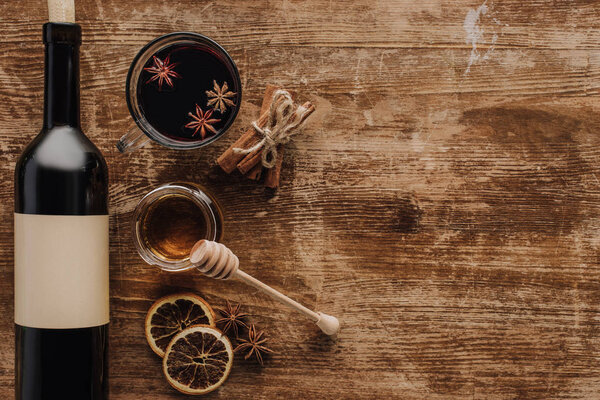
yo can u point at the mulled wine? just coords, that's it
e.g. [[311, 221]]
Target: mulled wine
[[189, 91]]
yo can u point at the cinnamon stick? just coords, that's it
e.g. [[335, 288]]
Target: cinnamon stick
[[273, 174], [255, 172], [230, 158], [251, 159], [267, 98]]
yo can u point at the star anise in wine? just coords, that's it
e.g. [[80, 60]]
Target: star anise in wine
[[254, 344], [232, 318], [162, 71], [220, 97], [202, 122]]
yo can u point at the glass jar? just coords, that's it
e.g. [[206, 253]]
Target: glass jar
[[170, 219]]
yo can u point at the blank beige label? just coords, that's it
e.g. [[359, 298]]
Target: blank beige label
[[61, 271]]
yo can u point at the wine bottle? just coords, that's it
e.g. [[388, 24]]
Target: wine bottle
[[61, 243]]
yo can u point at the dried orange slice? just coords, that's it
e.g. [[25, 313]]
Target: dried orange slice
[[172, 314], [198, 360]]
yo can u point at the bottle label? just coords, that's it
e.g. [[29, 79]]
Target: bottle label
[[61, 271]]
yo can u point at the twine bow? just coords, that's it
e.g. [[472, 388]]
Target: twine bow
[[284, 120]]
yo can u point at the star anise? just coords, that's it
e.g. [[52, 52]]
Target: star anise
[[232, 318], [254, 344], [202, 122], [220, 97], [163, 71]]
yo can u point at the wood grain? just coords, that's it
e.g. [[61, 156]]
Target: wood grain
[[448, 218]]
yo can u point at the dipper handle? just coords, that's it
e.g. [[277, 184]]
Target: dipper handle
[[217, 261]]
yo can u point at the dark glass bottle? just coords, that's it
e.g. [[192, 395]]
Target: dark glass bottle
[[61, 243]]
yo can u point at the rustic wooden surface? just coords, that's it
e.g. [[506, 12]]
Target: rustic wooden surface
[[443, 203]]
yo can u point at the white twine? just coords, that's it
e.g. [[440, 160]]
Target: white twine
[[285, 120]]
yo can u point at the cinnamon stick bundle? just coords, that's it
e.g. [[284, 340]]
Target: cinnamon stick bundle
[[250, 164]]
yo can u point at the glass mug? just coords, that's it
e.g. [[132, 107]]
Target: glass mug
[[183, 91], [170, 219]]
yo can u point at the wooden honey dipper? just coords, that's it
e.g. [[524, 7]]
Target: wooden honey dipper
[[217, 261]]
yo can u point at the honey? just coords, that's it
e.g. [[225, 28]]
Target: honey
[[172, 225]]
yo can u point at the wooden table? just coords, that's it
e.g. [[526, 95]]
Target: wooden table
[[443, 201]]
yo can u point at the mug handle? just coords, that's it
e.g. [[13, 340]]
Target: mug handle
[[132, 140]]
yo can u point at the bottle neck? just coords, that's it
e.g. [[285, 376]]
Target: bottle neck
[[61, 84]]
